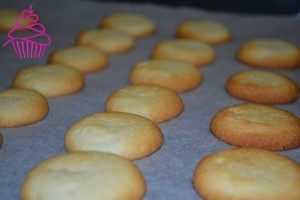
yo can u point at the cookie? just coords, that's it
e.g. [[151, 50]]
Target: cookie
[[247, 173], [265, 87], [175, 75], [257, 125], [205, 31], [153, 102], [8, 17], [195, 52], [51, 80], [133, 136], [84, 58], [19, 107], [108, 40], [84, 175], [270, 53], [132, 24]]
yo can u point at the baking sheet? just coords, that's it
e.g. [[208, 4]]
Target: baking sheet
[[169, 171]]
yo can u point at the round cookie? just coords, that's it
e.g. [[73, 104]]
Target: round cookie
[[51, 80], [206, 31], [19, 107], [84, 175], [175, 75], [247, 173], [153, 102], [133, 136], [8, 17], [84, 58], [270, 53], [132, 24], [194, 52], [108, 40], [257, 125], [262, 87]]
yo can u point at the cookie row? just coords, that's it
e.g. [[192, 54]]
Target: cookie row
[[63, 75], [100, 174]]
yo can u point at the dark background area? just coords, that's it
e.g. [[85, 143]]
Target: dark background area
[[237, 6]]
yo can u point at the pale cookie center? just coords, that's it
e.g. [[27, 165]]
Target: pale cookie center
[[257, 116], [273, 48], [265, 79]]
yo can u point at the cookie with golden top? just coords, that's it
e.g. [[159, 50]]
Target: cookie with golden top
[[128, 135], [195, 52], [257, 125], [265, 87], [19, 107], [247, 173], [203, 30], [270, 53], [153, 102], [51, 80], [108, 40], [84, 58], [84, 175], [178, 76], [133, 24]]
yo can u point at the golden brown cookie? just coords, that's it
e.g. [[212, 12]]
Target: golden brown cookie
[[84, 175], [265, 87], [84, 58], [247, 173], [132, 24], [51, 80], [194, 52], [257, 125], [270, 53], [153, 102], [203, 30], [8, 17], [125, 134], [175, 75], [19, 107], [108, 40]]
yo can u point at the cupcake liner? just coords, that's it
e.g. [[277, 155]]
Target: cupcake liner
[[28, 49]]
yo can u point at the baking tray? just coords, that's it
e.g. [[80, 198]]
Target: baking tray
[[187, 138]]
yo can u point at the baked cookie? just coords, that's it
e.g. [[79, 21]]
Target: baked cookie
[[153, 102], [51, 80], [84, 58], [132, 24], [84, 175], [133, 136], [270, 53], [247, 173], [194, 52], [175, 75], [257, 125], [262, 87], [8, 18], [19, 107], [108, 40], [205, 31]]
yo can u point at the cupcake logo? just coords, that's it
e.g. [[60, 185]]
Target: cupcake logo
[[30, 40]]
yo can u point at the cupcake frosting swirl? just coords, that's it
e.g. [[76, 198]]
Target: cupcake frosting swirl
[[37, 30]]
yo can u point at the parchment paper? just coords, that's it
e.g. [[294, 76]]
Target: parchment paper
[[169, 171]]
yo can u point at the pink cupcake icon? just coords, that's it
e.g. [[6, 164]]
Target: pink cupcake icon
[[33, 42]]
